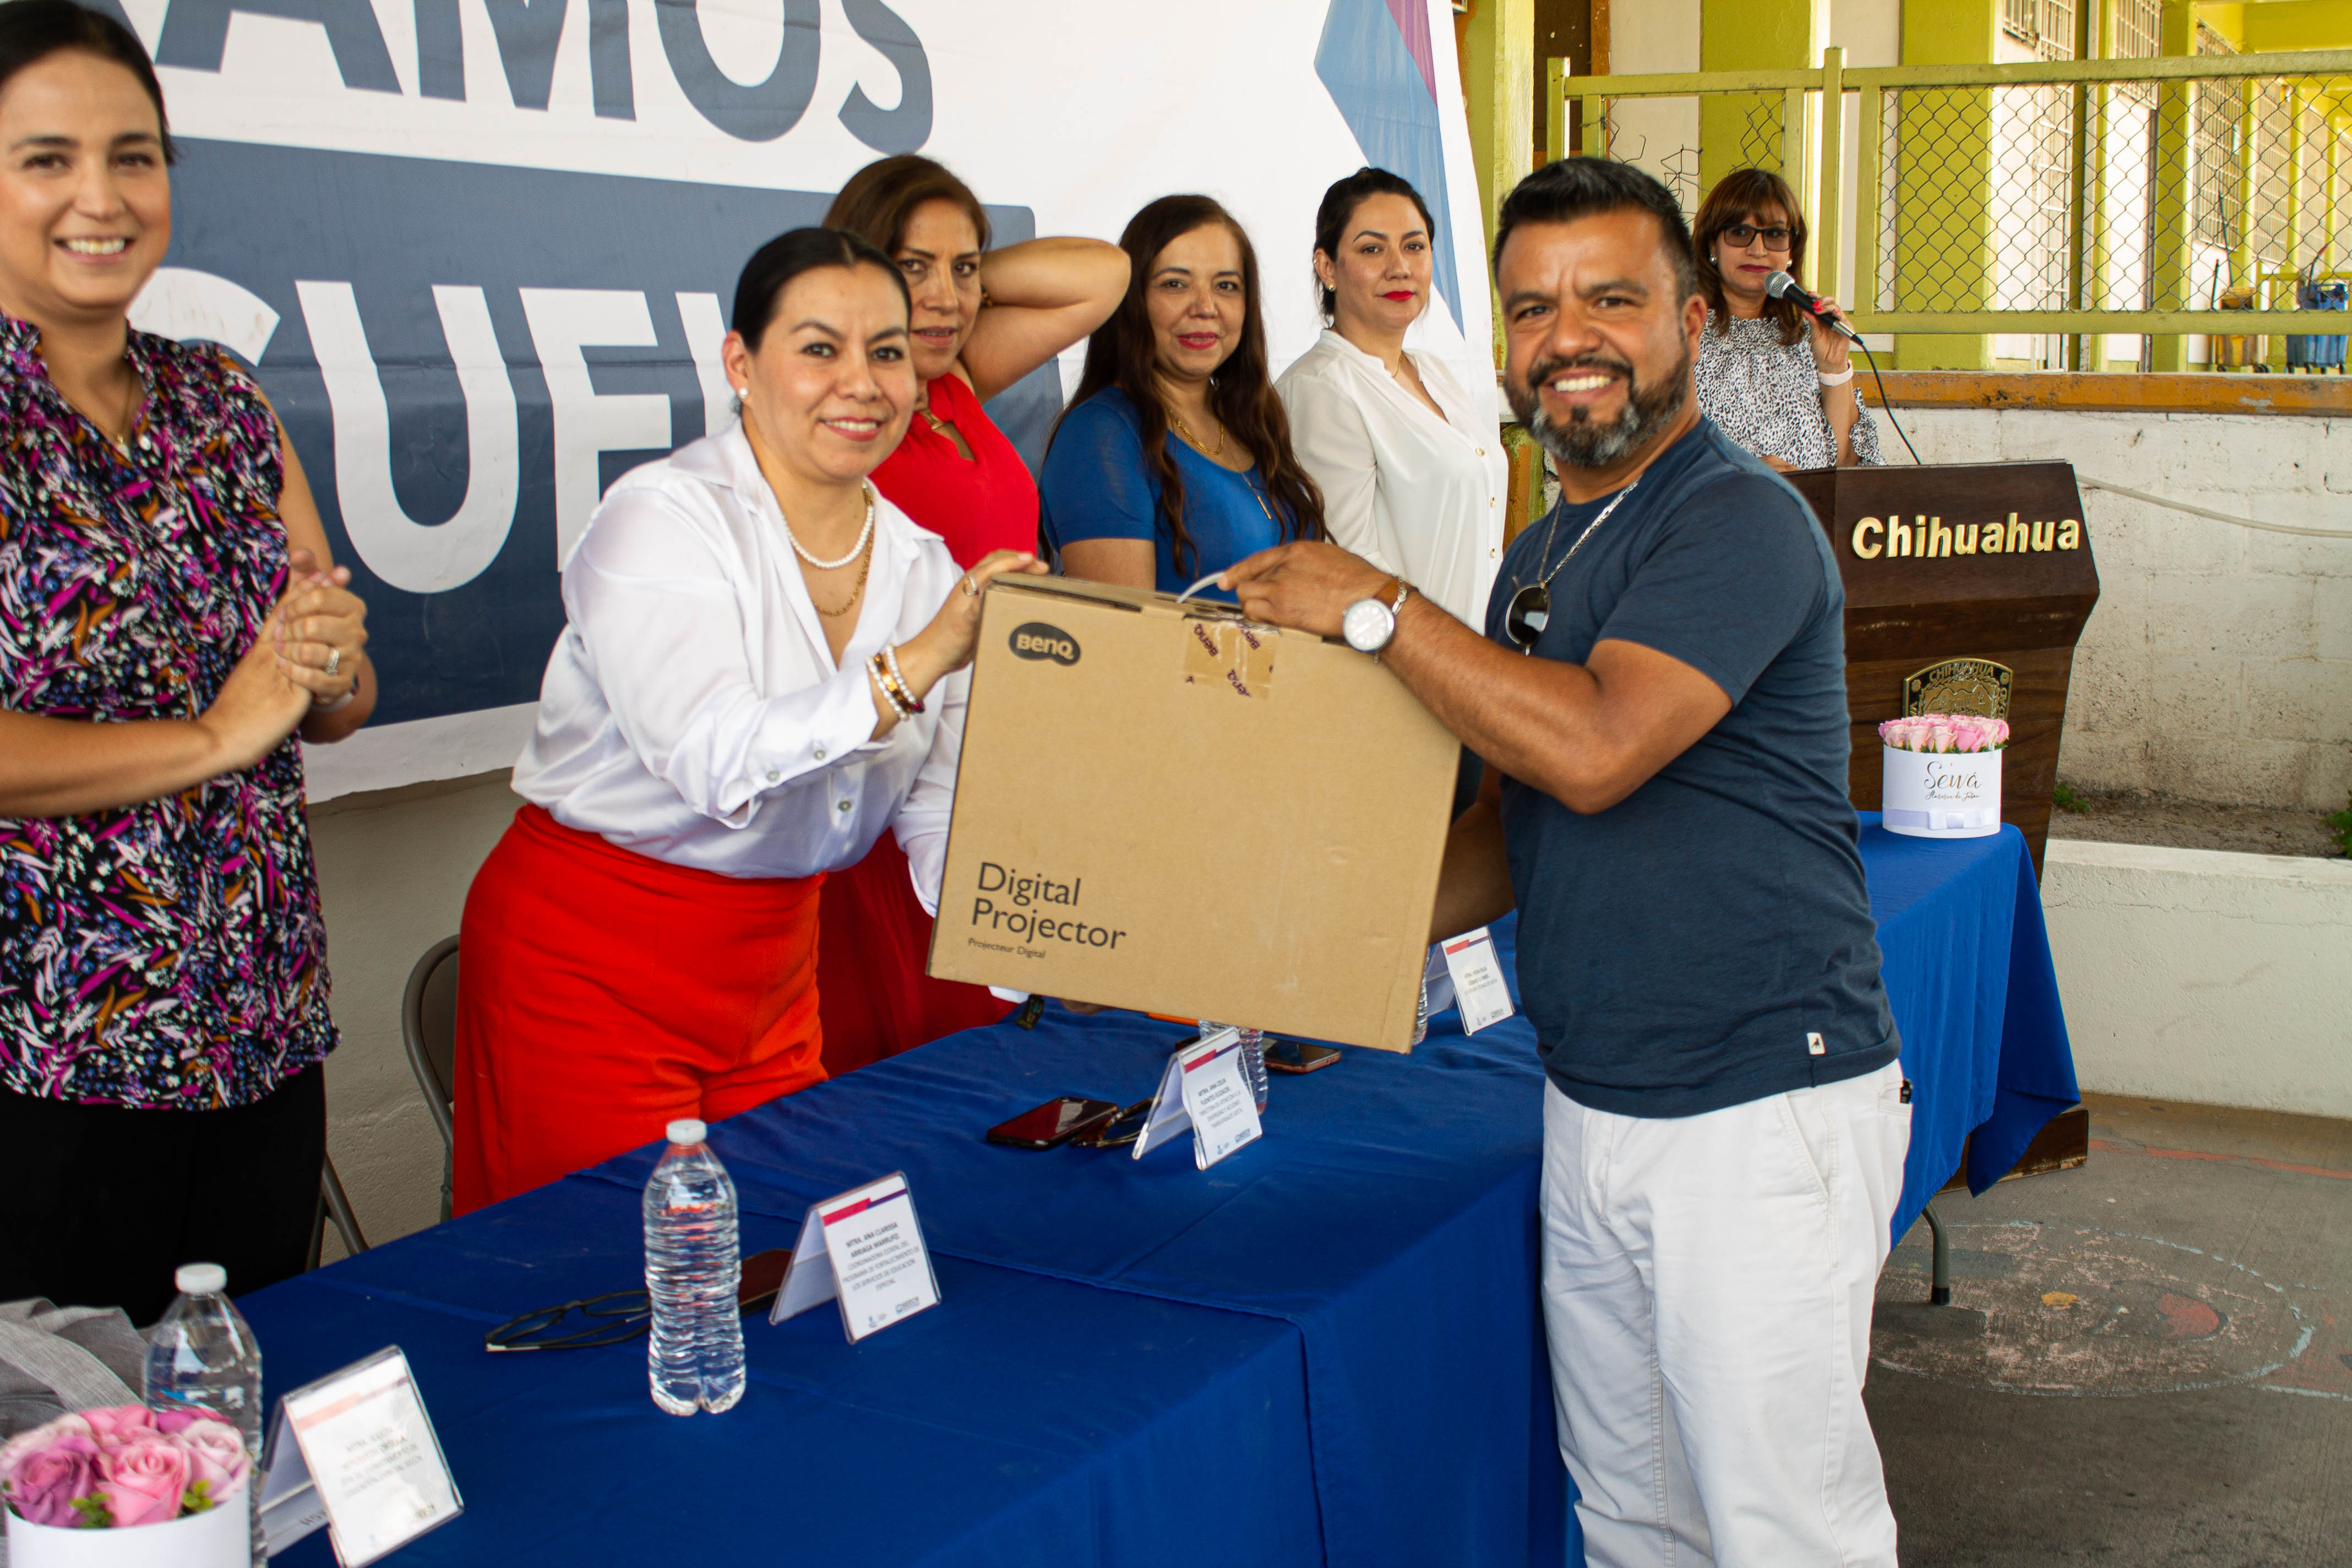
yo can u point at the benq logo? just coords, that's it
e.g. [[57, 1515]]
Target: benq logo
[[1038, 640]]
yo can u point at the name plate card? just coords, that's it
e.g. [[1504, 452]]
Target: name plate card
[[1207, 1090], [864, 1251], [1478, 977], [363, 1461]]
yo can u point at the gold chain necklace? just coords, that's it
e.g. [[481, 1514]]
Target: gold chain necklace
[[854, 592], [1186, 431]]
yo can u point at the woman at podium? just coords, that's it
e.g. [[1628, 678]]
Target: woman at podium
[[1773, 379]]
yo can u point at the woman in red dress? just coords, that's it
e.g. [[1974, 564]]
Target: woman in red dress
[[983, 320]]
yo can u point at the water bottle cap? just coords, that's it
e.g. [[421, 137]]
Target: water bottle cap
[[200, 1280], [686, 1130]]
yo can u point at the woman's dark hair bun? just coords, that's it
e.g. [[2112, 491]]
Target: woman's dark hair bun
[[1339, 204], [774, 264]]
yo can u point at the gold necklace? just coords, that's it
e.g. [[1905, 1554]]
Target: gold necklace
[[856, 590], [1186, 431]]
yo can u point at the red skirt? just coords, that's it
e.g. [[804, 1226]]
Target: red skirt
[[602, 993], [876, 1000]]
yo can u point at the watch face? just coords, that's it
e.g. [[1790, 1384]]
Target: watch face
[[1368, 626]]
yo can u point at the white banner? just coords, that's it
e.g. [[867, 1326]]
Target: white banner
[[481, 251]]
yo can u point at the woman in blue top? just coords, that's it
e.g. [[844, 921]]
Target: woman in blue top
[[1174, 462]]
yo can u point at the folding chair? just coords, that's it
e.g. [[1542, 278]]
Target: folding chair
[[428, 1028]]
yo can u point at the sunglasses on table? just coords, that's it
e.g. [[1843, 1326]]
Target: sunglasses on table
[[612, 1319], [1742, 233], [619, 1316]]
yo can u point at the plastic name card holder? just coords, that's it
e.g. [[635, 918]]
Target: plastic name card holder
[[864, 1251], [363, 1460], [1478, 979], [1205, 1089]]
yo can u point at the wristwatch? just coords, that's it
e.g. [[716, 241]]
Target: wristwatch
[[1369, 625]]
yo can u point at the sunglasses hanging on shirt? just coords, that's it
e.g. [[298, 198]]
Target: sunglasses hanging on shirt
[[1530, 610]]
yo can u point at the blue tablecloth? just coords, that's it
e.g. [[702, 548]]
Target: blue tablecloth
[[1976, 1000], [1327, 1348]]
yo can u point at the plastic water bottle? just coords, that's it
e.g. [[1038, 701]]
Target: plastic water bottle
[[202, 1356], [1421, 1014], [1252, 1059], [695, 1361]]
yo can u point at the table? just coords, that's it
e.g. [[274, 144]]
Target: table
[[1967, 963], [1327, 1348]]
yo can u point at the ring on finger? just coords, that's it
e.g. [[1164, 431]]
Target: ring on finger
[[334, 661]]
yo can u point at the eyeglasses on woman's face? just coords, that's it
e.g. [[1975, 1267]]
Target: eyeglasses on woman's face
[[1741, 235]]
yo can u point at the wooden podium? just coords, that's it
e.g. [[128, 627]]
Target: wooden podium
[[1979, 561]]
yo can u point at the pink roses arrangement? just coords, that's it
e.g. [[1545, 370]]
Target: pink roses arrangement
[[1945, 733], [122, 1466]]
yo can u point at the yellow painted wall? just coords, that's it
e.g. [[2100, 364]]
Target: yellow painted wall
[[1943, 260], [1752, 34], [2294, 24]]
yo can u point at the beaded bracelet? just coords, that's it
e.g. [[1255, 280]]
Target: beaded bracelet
[[890, 652], [880, 674]]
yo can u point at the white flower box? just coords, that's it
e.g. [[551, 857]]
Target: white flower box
[[1942, 794], [218, 1538]]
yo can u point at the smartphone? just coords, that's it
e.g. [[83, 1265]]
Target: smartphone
[[1054, 1123], [1118, 1132], [763, 1276], [1292, 1056]]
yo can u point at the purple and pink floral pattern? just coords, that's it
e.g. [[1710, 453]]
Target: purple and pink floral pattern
[[168, 954]]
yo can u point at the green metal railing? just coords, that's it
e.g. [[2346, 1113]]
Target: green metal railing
[[2064, 197]]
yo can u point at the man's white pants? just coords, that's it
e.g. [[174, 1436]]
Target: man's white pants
[[1708, 1284]]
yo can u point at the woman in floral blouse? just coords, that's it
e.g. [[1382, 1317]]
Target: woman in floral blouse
[[1775, 380], [170, 622]]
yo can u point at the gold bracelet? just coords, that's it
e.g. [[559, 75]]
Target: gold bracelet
[[880, 674]]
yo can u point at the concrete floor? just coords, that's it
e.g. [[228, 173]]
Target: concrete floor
[[2147, 1359]]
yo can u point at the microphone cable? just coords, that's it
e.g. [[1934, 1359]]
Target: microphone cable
[[1782, 286], [1884, 407]]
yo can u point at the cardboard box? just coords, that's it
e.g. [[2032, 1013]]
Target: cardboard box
[[1159, 807]]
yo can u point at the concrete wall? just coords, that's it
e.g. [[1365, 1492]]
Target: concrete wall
[[2218, 665], [393, 867], [2192, 975]]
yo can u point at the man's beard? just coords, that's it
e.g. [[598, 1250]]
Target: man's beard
[[1580, 443]]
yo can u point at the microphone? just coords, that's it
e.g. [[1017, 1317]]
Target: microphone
[[1780, 286]]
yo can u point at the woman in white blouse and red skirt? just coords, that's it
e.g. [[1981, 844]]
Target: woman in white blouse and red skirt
[[760, 674]]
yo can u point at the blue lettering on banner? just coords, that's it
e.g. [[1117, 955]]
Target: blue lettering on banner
[[195, 36], [195, 33], [763, 110], [466, 356]]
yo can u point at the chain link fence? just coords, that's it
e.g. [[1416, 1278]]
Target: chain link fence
[[2130, 196]]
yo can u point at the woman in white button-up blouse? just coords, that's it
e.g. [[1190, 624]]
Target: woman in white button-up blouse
[[759, 673], [1410, 461]]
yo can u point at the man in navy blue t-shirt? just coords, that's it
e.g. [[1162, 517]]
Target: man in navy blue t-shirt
[[1660, 695]]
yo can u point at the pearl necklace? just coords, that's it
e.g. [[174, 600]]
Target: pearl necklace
[[855, 550]]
